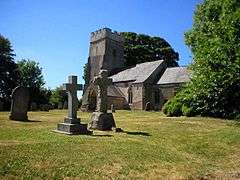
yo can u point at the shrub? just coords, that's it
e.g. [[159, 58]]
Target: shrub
[[172, 108]]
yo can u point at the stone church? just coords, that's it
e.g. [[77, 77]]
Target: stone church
[[146, 86]]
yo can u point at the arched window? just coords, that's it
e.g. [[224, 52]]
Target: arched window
[[130, 96]]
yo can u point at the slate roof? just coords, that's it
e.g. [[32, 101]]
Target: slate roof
[[114, 92], [175, 75], [137, 74]]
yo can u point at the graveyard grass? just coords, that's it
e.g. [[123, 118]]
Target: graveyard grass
[[152, 146]]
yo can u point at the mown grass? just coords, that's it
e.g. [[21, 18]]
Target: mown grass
[[151, 147]]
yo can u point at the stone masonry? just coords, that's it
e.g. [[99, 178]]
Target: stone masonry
[[101, 119], [72, 123]]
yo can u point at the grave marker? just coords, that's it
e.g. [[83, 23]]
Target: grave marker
[[71, 124], [19, 104]]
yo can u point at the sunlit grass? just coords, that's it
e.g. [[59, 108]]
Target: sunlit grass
[[151, 146]]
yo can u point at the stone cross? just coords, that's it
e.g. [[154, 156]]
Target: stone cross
[[72, 87], [102, 81]]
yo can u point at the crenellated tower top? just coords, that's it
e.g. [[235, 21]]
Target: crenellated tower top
[[106, 33]]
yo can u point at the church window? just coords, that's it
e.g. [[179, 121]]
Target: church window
[[130, 96]]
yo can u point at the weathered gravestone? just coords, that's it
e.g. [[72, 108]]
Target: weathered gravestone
[[19, 105], [71, 124], [100, 119]]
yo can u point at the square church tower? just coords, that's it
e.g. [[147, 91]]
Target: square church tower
[[106, 51]]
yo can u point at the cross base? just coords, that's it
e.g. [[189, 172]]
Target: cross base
[[71, 120], [72, 127], [102, 121]]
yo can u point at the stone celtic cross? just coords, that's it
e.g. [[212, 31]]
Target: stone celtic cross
[[72, 87], [102, 81]]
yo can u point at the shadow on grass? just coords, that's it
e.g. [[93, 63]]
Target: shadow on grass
[[26, 121], [31, 120], [137, 133], [102, 135]]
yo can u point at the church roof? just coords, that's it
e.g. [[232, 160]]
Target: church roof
[[175, 75], [137, 74]]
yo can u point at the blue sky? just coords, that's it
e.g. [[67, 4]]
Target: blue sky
[[56, 32]]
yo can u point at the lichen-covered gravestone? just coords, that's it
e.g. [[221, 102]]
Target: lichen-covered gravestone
[[101, 119], [71, 124], [19, 106]]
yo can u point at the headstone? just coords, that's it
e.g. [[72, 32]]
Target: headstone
[[71, 124], [19, 104], [101, 119], [33, 106]]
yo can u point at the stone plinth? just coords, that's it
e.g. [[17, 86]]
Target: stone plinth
[[71, 124], [102, 121], [72, 127]]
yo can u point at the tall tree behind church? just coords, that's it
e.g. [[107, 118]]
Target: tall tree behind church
[[140, 48], [8, 71]]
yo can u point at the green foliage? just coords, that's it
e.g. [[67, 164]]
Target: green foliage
[[187, 111], [31, 74], [58, 96], [172, 108], [86, 73], [31, 77], [139, 48], [8, 71], [215, 43]]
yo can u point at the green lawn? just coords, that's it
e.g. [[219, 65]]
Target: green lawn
[[152, 147]]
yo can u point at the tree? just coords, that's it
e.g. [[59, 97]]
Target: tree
[[31, 77], [86, 73], [139, 48], [58, 96], [215, 43], [8, 71]]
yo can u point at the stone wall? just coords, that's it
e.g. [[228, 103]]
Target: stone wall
[[168, 91], [106, 51], [137, 92], [118, 103], [137, 100]]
